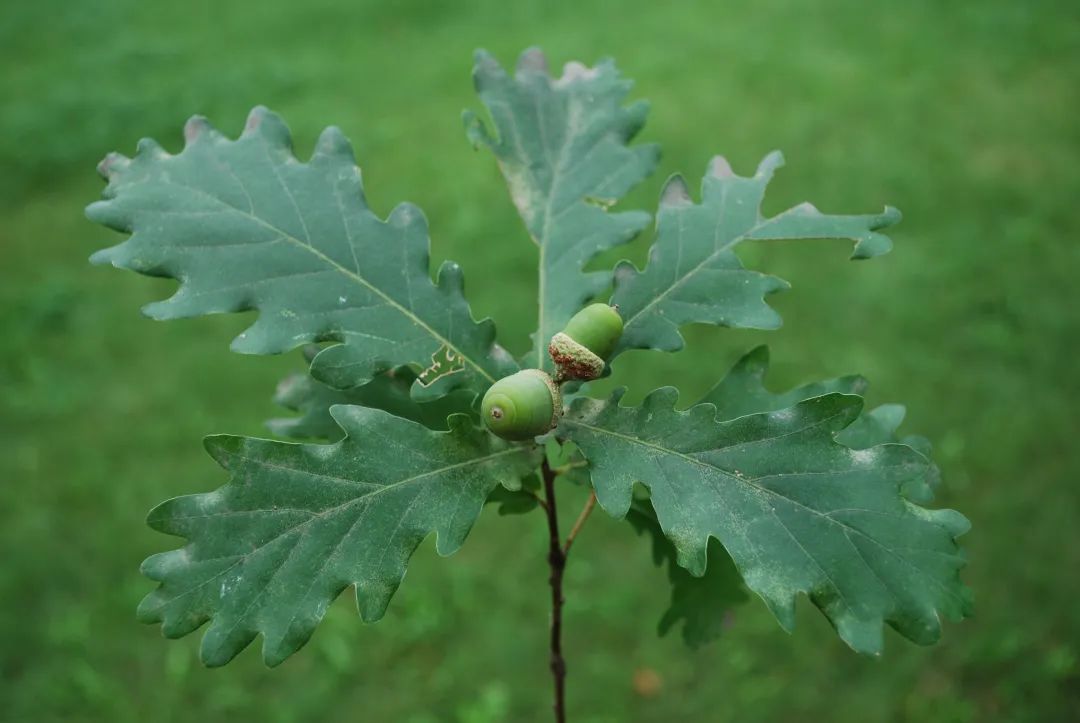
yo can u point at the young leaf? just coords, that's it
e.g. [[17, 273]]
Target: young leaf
[[796, 511], [242, 224], [388, 391], [703, 603], [562, 145], [297, 524], [693, 274]]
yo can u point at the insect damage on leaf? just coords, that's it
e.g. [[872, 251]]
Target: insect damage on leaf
[[444, 362], [389, 391]]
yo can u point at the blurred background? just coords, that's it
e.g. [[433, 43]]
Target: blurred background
[[964, 115]]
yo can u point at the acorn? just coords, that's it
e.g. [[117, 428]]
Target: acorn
[[522, 405], [580, 350]]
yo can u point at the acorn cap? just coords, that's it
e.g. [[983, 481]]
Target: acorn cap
[[574, 360]]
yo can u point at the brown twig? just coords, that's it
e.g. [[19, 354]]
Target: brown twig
[[585, 512], [557, 563]]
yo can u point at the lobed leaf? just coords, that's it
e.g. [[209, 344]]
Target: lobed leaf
[[563, 146], [242, 224], [693, 274], [297, 524], [797, 511]]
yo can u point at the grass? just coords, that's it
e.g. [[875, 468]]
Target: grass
[[963, 115]]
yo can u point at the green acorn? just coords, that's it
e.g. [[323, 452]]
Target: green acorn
[[522, 405], [590, 336]]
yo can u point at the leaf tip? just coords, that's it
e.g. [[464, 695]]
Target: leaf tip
[[112, 165], [333, 143], [719, 167], [101, 257], [871, 246], [372, 598], [481, 56], [532, 61], [264, 122], [675, 193], [865, 637], [859, 384], [222, 446], [196, 127], [215, 652], [889, 217], [149, 610], [772, 161], [349, 416], [634, 116], [575, 71], [405, 215], [450, 277], [847, 408], [150, 148], [780, 603]]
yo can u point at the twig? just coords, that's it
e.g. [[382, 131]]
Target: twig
[[557, 563], [539, 500], [585, 512]]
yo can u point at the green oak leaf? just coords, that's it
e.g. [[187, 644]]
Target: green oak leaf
[[704, 602], [694, 275], [242, 224], [742, 391], [562, 145], [388, 391], [297, 524], [701, 604], [797, 511]]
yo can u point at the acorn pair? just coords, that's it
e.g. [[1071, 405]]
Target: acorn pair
[[528, 403]]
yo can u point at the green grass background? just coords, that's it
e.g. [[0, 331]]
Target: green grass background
[[962, 114]]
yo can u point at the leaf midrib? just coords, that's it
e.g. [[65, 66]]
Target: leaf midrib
[[284, 235], [557, 172], [315, 516], [737, 239]]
